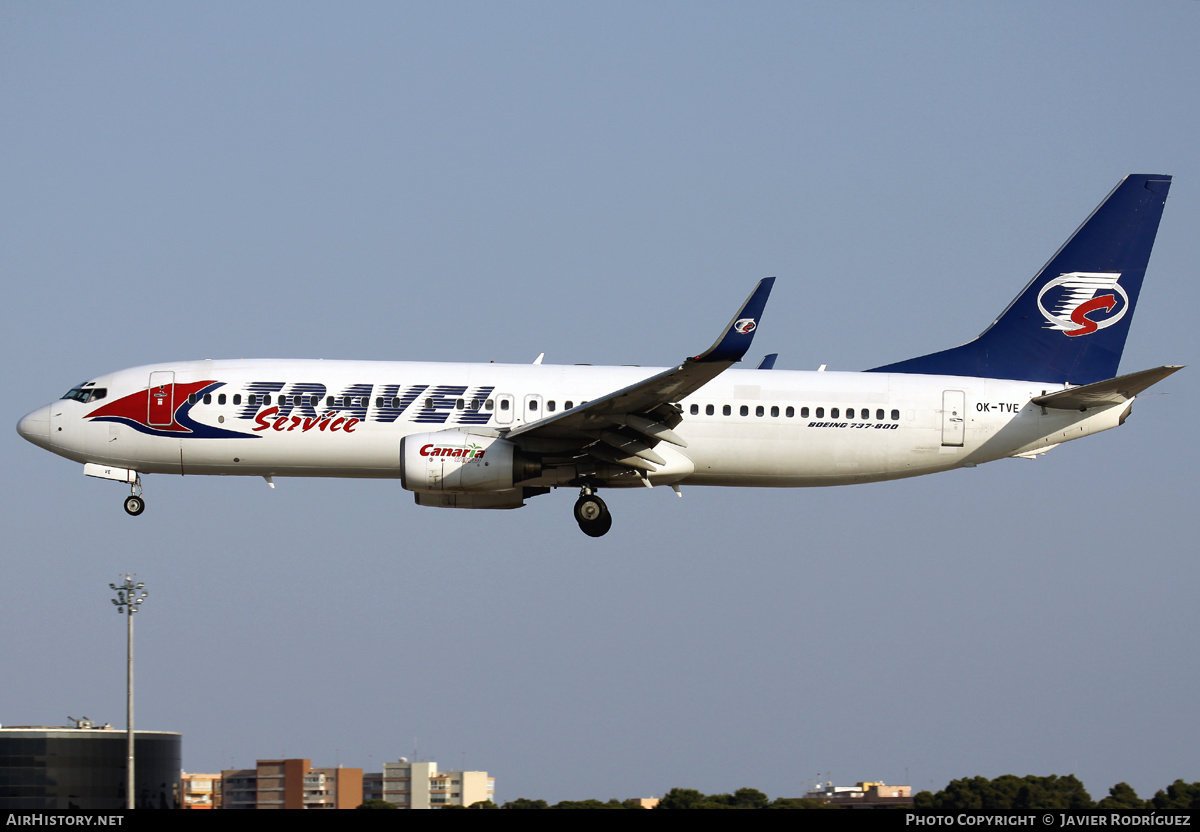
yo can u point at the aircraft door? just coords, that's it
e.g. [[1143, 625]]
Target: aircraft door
[[954, 411], [161, 401], [504, 409], [533, 407]]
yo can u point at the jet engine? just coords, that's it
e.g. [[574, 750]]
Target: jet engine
[[454, 461]]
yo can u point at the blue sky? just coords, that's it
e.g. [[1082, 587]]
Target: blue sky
[[602, 183]]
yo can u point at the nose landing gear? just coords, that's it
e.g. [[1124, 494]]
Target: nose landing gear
[[592, 514], [134, 504]]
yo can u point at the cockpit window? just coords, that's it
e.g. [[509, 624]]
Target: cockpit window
[[86, 394]]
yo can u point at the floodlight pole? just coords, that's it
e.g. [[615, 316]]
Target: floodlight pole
[[127, 602]]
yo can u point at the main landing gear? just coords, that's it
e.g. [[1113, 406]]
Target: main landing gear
[[134, 504], [592, 514]]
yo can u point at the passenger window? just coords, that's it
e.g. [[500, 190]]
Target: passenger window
[[208, 398], [192, 398], [221, 399], [253, 400], [726, 410], [379, 401], [790, 412], [489, 404], [709, 410], [760, 411], [459, 405], [533, 404], [820, 413], [504, 404], [694, 410], [237, 398], [314, 401], [568, 404], [804, 413], [833, 412], [550, 405], [774, 411], [879, 413], [849, 412], [744, 410], [895, 415], [329, 401]]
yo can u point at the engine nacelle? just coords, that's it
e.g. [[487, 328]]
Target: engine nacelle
[[446, 499], [454, 461]]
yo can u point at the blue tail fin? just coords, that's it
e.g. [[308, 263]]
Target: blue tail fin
[[1069, 324]]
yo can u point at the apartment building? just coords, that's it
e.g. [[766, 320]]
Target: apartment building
[[291, 784], [422, 786]]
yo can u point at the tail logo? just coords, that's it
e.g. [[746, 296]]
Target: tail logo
[[744, 326], [1080, 303]]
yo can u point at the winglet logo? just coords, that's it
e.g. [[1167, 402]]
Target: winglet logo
[[744, 326], [1075, 297]]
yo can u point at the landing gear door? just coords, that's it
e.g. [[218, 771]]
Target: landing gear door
[[161, 401], [954, 411]]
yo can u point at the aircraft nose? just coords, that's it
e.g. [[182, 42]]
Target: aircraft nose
[[35, 427]]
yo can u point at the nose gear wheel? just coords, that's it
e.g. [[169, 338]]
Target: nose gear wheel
[[134, 504]]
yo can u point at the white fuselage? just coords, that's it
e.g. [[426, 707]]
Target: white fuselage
[[769, 428]]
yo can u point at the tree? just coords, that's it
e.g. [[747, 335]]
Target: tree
[[588, 804], [750, 799], [681, 799], [526, 803], [1122, 798], [375, 804], [1009, 794], [1178, 797], [802, 803]]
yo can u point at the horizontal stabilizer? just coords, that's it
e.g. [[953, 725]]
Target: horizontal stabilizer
[[1104, 393]]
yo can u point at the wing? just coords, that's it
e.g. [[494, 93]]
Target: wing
[[623, 427]]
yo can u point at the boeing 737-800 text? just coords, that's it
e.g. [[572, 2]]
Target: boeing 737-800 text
[[494, 435]]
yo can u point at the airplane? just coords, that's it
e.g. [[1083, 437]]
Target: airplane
[[491, 436]]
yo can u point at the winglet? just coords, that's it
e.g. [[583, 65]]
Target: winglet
[[735, 340], [768, 362]]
